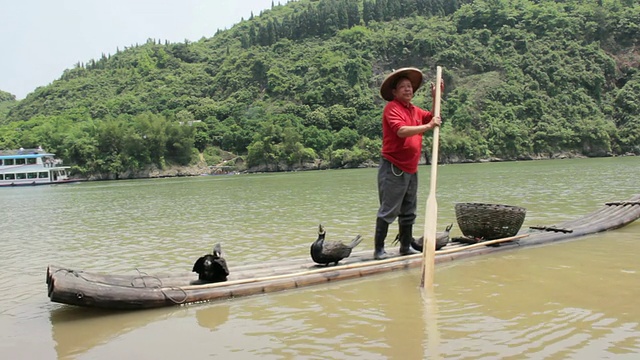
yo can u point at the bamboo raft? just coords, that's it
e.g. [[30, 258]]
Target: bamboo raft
[[144, 291]]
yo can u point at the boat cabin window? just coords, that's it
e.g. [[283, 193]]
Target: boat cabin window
[[20, 161], [21, 176], [8, 161], [32, 175], [9, 176], [32, 161], [43, 175]]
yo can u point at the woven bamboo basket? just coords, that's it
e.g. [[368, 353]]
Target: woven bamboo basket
[[489, 221]]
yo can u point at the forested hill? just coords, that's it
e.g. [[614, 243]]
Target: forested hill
[[7, 101], [300, 82]]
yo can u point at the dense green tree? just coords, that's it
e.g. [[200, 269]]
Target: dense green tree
[[317, 139], [345, 139], [7, 101], [5, 96]]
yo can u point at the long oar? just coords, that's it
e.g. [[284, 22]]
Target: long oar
[[431, 213]]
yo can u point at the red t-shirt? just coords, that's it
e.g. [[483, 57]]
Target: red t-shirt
[[402, 152]]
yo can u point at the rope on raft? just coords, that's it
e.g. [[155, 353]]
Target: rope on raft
[[159, 286], [175, 288]]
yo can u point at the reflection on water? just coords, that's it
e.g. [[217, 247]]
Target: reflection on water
[[77, 330], [211, 317], [567, 300], [430, 316]]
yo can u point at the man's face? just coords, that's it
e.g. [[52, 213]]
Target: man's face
[[403, 91]]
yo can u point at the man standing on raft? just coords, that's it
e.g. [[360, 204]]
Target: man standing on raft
[[402, 127]]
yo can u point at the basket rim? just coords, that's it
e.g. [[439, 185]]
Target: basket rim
[[489, 204]]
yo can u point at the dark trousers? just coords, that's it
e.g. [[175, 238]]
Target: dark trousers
[[397, 192]]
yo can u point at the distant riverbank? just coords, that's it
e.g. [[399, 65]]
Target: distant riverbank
[[202, 168]]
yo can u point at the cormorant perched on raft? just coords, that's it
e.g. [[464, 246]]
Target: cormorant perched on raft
[[442, 239], [326, 252], [212, 267]]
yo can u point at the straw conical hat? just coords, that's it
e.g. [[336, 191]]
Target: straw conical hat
[[414, 75]]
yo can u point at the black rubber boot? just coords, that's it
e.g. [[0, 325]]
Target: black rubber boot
[[381, 233], [406, 236]]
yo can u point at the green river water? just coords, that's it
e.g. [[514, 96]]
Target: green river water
[[569, 300]]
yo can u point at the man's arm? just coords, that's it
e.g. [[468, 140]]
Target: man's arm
[[407, 131]]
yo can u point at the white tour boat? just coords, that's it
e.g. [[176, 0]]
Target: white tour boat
[[31, 167]]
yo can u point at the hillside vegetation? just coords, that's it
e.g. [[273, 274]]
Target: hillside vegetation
[[299, 83]]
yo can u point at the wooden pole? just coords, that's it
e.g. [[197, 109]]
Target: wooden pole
[[481, 244], [431, 213]]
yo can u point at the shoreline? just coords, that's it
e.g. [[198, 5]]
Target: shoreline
[[204, 170]]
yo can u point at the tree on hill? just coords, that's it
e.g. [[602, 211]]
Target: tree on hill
[[5, 96]]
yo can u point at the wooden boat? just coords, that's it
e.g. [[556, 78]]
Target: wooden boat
[[80, 288], [31, 167]]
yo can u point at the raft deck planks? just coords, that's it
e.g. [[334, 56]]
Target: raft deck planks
[[145, 291]]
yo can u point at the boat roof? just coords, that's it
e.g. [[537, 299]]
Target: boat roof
[[25, 154]]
